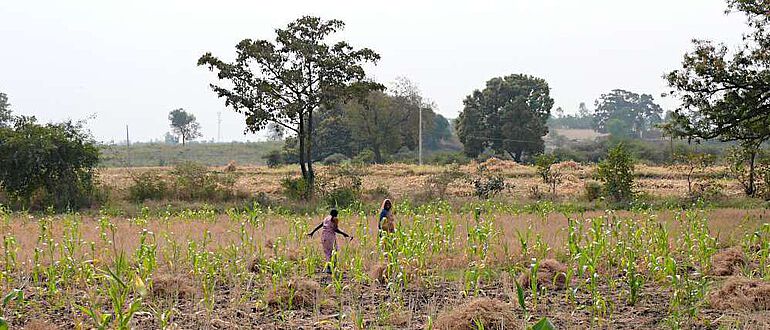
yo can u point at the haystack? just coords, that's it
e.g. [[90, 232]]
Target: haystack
[[728, 262], [479, 313], [296, 293], [173, 286], [740, 293], [551, 274]]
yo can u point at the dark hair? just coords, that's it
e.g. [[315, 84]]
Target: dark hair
[[333, 212]]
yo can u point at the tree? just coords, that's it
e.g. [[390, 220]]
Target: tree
[[5, 111], [169, 138], [287, 81], [53, 161], [508, 116], [386, 122], [639, 112], [726, 95], [184, 125]]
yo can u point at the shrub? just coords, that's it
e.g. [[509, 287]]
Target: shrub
[[53, 163], [273, 159], [294, 188], [147, 185], [486, 185], [547, 170], [617, 174], [593, 190], [334, 159], [446, 158], [366, 156], [438, 184], [195, 182], [343, 188]]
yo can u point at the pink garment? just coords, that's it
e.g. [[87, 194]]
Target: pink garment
[[329, 237]]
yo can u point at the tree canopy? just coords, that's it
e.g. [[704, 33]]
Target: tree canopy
[[184, 125], [285, 82], [726, 94], [621, 110], [508, 116], [5, 111]]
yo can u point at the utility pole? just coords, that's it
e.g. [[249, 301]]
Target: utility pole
[[420, 139], [128, 148], [219, 126]]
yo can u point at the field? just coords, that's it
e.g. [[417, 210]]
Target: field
[[455, 263], [162, 154]]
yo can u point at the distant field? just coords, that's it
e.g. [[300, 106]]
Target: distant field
[[210, 154], [577, 134]]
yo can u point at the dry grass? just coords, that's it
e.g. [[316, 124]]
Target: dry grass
[[404, 180], [551, 274], [479, 313], [728, 262], [176, 286], [740, 293], [296, 293]]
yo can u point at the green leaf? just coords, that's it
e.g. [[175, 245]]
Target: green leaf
[[544, 324], [3, 324], [520, 295]]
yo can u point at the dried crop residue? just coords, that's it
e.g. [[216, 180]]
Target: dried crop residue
[[173, 286], [741, 293], [39, 325], [296, 293], [551, 274], [479, 313], [378, 273], [728, 262], [231, 167]]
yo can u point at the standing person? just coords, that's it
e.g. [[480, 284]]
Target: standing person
[[329, 236], [386, 221]]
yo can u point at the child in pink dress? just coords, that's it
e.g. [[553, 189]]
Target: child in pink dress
[[329, 236]]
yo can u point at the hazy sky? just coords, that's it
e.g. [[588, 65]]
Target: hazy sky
[[131, 62]]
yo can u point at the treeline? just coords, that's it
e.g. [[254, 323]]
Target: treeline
[[374, 127]]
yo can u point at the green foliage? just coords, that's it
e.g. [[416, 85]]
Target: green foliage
[[147, 185], [335, 159], [623, 113], [366, 156], [303, 63], [343, 189], [617, 174], [53, 162], [6, 117], [274, 158], [486, 184], [294, 188], [584, 119], [448, 157], [437, 184], [593, 190], [509, 117], [724, 92], [184, 125], [547, 171]]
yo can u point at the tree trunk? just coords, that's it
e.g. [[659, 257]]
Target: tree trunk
[[301, 139], [377, 152], [309, 155], [751, 187]]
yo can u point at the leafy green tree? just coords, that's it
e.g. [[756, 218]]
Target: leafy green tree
[[285, 82], [639, 112], [169, 138], [584, 119], [54, 161], [617, 174], [508, 116], [5, 111], [725, 93], [184, 125]]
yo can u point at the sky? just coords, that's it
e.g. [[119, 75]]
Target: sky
[[118, 63]]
